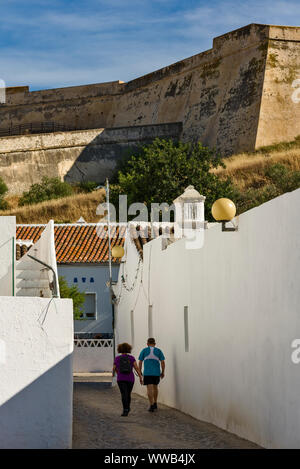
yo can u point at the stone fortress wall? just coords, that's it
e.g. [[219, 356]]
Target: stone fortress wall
[[83, 155], [236, 97]]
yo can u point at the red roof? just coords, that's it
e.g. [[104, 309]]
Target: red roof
[[76, 243]]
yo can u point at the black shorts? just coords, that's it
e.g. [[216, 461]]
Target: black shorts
[[151, 380]]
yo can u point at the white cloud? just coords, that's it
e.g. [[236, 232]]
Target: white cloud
[[230, 14], [52, 43]]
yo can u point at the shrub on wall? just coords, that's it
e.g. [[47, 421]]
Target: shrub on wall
[[49, 188], [161, 171], [3, 190], [75, 294], [284, 179], [279, 180], [87, 186]]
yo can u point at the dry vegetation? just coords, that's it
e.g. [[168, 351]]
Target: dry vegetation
[[67, 209], [246, 170]]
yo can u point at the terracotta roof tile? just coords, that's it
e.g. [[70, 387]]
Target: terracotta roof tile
[[88, 243], [76, 243]]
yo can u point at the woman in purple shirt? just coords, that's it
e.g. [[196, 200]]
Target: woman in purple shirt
[[123, 365]]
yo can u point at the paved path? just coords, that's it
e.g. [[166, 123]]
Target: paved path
[[97, 423]]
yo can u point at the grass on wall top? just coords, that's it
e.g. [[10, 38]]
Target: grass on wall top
[[248, 171]]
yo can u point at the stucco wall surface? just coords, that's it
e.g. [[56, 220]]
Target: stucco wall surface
[[36, 338], [92, 359], [7, 255], [100, 275], [230, 362]]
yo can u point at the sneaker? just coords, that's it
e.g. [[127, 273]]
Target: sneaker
[[154, 406], [151, 408], [125, 413]]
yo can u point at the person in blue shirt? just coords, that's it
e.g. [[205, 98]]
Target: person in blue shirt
[[154, 369]]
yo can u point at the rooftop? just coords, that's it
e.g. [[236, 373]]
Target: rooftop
[[74, 243]]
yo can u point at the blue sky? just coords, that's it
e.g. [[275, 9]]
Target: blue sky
[[47, 44]]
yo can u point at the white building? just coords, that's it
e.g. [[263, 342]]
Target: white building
[[82, 258], [36, 345], [226, 316]]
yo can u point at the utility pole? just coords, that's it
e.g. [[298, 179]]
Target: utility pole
[[110, 269]]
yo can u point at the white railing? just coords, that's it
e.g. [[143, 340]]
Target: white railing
[[93, 343]]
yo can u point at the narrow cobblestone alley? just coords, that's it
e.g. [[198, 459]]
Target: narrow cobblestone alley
[[97, 424]]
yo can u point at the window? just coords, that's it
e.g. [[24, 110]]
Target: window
[[186, 329], [90, 306], [75, 280], [150, 321], [83, 279], [92, 280], [132, 327]]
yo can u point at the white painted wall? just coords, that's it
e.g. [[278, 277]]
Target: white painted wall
[[92, 359], [36, 344], [32, 278], [243, 296], [100, 274], [7, 254]]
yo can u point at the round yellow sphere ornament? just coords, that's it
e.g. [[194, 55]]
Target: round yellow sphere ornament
[[223, 209], [117, 251]]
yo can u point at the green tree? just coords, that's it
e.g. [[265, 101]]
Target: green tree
[[75, 294], [161, 171], [3, 190], [49, 188]]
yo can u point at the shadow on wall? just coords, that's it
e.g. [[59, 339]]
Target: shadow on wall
[[6, 268], [40, 415], [98, 159]]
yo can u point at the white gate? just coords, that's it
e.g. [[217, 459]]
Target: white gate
[[92, 355]]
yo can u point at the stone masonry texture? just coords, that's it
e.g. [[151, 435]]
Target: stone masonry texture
[[236, 96], [83, 155]]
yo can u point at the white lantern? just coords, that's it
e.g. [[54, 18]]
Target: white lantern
[[189, 208]]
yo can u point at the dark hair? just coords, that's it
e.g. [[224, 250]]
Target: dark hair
[[124, 348], [151, 340]]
